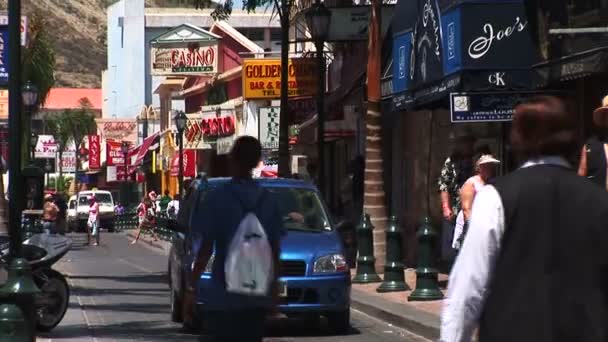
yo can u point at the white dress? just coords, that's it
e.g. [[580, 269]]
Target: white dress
[[459, 228]]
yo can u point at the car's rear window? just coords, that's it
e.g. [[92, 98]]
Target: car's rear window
[[102, 198], [301, 208]]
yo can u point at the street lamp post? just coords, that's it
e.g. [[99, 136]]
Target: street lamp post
[[18, 292], [33, 143], [30, 95], [318, 18], [124, 148], [180, 123], [47, 170]]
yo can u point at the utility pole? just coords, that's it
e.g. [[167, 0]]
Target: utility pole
[[283, 167]]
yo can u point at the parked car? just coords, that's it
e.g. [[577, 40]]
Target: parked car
[[106, 209], [72, 216], [314, 275]]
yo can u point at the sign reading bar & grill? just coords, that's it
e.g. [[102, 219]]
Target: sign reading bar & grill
[[262, 78]]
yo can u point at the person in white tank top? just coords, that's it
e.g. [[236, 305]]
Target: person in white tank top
[[485, 168]]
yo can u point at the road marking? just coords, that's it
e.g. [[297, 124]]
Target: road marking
[[136, 266]]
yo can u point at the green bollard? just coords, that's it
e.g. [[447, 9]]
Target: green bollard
[[20, 290], [394, 276], [366, 262], [427, 283], [12, 324]]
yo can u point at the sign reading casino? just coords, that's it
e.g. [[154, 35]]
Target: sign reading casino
[[262, 78], [184, 60]]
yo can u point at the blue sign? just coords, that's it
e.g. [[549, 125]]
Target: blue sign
[[486, 107], [3, 55], [452, 59], [402, 50]]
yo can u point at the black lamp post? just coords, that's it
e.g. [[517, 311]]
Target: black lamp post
[[124, 148], [17, 294], [180, 123], [47, 170], [318, 18], [29, 96], [33, 143]]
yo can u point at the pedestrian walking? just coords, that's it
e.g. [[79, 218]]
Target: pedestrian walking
[[594, 157], [62, 215], [534, 264], [93, 222], [457, 168], [164, 201], [146, 214], [173, 208], [485, 169], [226, 211], [49, 215]]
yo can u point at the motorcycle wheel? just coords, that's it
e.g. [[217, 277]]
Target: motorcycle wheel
[[55, 295]]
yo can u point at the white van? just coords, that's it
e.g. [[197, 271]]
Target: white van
[[106, 209]]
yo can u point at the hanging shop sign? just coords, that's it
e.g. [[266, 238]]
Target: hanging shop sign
[[67, 163], [118, 129], [262, 78], [3, 104], [114, 155], [46, 147], [4, 55], [486, 107], [189, 162], [94, 152], [352, 23], [302, 109], [190, 59], [204, 130], [24, 27], [269, 127]]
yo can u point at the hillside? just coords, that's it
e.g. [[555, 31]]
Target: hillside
[[79, 29]]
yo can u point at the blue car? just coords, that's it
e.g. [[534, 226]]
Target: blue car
[[314, 274]]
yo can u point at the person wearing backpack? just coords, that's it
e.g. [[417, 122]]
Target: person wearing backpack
[[243, 221], [594, 156]]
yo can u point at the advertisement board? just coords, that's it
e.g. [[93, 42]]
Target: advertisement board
[[189, 161], [269, 127], [4, 22], [184, 60], [204, 130], [262, 78], [94, 152], [46, 147], [67, 163]]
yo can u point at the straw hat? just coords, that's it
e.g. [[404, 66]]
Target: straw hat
[[487, 159]]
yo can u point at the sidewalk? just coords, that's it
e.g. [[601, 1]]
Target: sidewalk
[[422, 318]]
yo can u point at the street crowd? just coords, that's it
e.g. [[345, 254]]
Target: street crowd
[[531, 262]]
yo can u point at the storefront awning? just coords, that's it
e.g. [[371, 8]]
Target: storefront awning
[[446, 47], [144, 147], [579, 65], [205, 86]]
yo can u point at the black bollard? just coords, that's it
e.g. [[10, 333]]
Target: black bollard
[[366, 262], [394, 277], [20, 290], [427, 283]]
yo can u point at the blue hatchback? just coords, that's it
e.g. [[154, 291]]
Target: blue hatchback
[[315, 277]]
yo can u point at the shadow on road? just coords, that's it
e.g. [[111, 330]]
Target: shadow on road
[[150, 278]]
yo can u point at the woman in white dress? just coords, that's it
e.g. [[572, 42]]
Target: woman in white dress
[[485, 168]]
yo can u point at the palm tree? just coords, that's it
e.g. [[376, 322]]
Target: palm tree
[[80, 123], [374, 201], [59, 127]]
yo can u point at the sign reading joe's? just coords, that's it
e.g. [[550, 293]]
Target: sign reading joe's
[[185, 50]]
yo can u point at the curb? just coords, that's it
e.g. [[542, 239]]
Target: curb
[[420, 322], [159, 245]]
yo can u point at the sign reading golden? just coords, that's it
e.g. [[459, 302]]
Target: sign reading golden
[[262, 78]]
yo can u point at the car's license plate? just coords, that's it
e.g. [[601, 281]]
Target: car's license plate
[[282, 289]]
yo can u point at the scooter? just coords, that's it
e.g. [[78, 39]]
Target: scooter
[[42, 251]]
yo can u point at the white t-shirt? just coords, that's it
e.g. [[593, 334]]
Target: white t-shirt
[[173, 204]]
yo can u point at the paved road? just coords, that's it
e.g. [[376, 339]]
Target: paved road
[[120, 293]]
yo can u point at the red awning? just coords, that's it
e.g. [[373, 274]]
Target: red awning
[[143, 148]]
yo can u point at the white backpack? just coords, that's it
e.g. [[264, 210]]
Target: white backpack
[[249, 264]]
